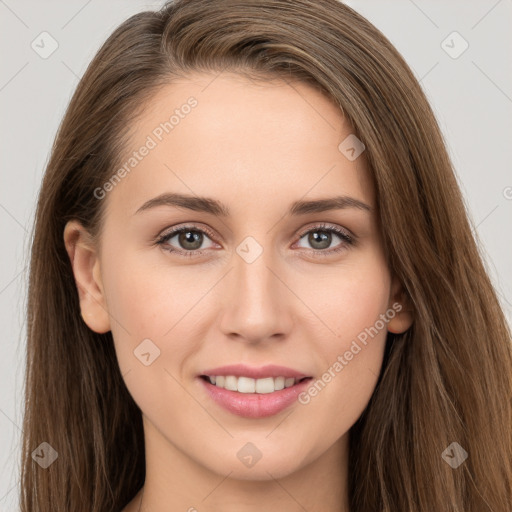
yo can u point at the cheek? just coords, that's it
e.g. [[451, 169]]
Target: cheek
[[351, 304], [149, 297], [347, 299], [146, 302], [150, 303]]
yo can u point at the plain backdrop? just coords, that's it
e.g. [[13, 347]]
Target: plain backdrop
[[467, 77]]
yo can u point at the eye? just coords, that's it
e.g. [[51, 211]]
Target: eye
[[320, 238], [187, 240]]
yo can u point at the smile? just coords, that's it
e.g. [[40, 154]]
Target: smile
[[249, 385]]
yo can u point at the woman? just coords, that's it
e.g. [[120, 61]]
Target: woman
[[254, 285]]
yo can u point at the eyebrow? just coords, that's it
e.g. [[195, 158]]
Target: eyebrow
[[214, 207]]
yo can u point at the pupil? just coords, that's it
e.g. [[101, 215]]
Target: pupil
[[318, 239], [190, 237], [322, 238]]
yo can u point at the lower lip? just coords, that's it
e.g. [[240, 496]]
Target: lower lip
[[255, 405]]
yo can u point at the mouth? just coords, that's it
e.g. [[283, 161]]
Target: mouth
[[250, 397], [248, 385]]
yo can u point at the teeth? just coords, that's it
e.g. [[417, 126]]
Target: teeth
[[279, 383], [289, 382], [231, 383], [248, 385]]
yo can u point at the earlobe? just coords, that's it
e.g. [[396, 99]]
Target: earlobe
[[85, 264], [400, 303], [401, 322]]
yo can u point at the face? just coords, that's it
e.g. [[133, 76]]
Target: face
[[264, 275]]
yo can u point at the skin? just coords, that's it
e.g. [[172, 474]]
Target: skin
[[257, 148]]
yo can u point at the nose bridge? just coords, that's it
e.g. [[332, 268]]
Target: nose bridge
[[253, 279], [255, 307]]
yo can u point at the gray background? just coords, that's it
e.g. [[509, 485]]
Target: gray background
[[471, 96]]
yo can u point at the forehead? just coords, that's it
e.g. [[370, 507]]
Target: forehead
[[233, 138]]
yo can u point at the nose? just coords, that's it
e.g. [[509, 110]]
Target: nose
[[257, 303]]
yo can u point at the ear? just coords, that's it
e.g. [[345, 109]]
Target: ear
[[86, 269], [403, 310]]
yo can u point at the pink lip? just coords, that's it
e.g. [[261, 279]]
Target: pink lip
[[254, 405], [269, 370]]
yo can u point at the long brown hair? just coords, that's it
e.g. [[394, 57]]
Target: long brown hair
[[447, 379]]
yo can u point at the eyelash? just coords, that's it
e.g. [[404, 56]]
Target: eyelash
[[348, 240]]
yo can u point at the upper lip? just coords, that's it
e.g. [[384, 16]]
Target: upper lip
[[241, 370]]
